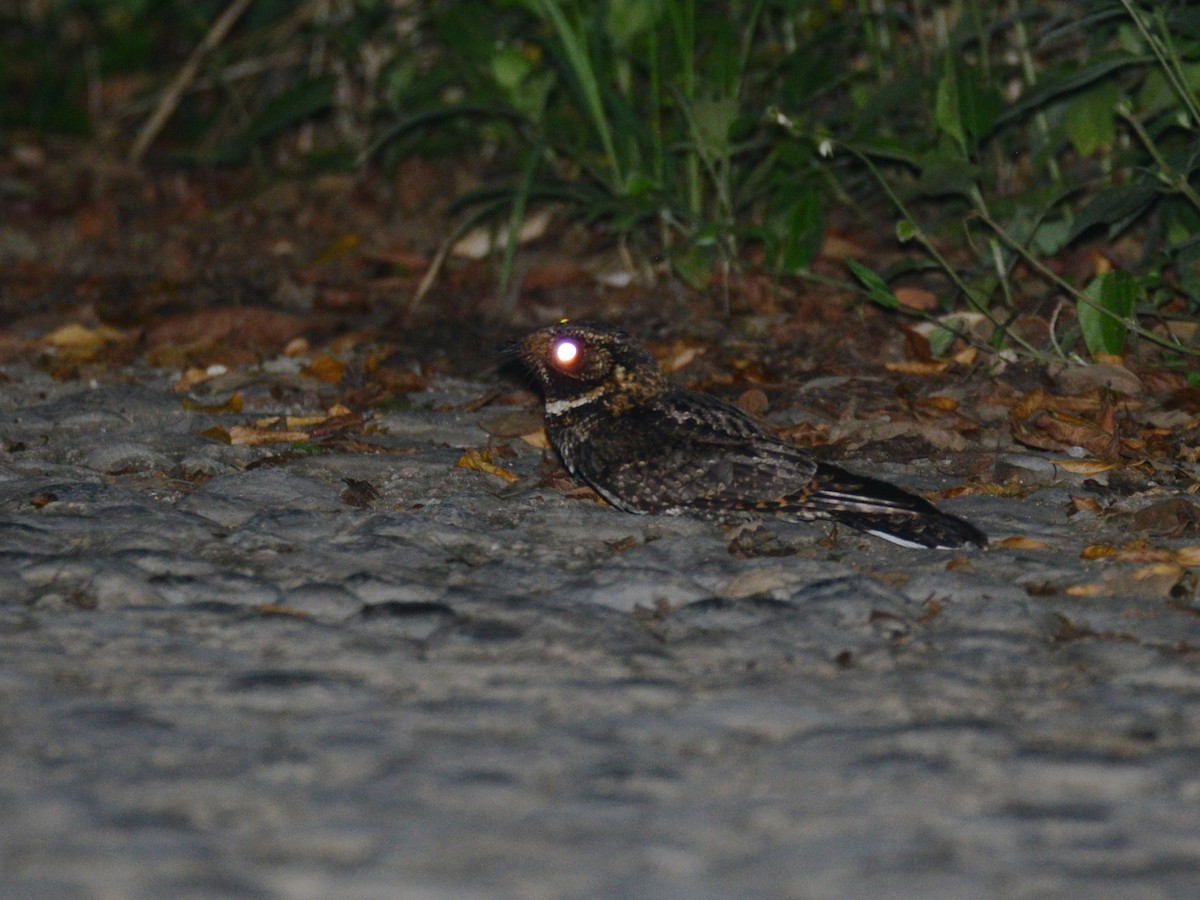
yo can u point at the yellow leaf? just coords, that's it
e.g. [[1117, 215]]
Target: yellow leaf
[[338, 247], [945, 404], [190, 378], [1084, 466], [480, 461], [79, 337], [910, 367], [1023, 543], [325, 368], [217, 433], [1085, 590], [303, 421], [1157, 570], [1188, 556], [1099, 551], [537, 439]]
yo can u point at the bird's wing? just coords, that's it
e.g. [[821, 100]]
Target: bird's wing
[[692, 452]]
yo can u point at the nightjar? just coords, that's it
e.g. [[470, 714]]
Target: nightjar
[[649, 446]]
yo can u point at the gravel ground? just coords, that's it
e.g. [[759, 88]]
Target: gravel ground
[[221, 678]]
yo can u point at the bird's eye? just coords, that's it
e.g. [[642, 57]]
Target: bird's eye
[[566, 352]]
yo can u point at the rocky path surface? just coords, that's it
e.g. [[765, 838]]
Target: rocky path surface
[[223, 673]]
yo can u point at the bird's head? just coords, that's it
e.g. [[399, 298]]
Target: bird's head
[[575, 360]]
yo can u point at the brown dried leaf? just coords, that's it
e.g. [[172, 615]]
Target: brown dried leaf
[[217, 433], [1188, 556], [303, 421], [341, 246], [916, 298], [937, 403], [1135, 551], [1172, 518], [232, 334], [937, 367], [1100, 376], [916, 346], [1023, 543], [1088, 467], [254, 435], [80, 338], [1034, 422], [325, 368]]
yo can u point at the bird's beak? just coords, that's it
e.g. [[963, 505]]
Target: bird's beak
[[511, 350]]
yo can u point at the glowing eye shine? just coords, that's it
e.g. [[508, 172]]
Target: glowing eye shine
[[566, 352]]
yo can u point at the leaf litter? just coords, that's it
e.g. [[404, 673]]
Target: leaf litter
[[198, 274]]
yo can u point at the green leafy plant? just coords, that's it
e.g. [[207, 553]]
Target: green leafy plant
[[648, 119], [1107, 142]]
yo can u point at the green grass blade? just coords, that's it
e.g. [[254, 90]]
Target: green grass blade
[[574, 43]]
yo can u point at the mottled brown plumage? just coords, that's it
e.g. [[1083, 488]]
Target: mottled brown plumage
[[649, 446]]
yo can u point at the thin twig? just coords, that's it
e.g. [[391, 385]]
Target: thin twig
[[170, 98]]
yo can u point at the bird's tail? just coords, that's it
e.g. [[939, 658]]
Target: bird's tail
[[886, 511]]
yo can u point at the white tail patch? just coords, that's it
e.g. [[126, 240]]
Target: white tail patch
[[910, 545]]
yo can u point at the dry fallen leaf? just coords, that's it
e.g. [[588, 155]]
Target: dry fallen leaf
[[252, 435], [1023, 543], [341, 246], [303, 421], [79, 337], [1039, 421], [1087, 504], [481, 461], [1083, 466], [1173, 517], [1165, 569], [231, 334], [916, 298], [905, 367], [325, 368], [537, 439], [1135, 551], [217, 433]]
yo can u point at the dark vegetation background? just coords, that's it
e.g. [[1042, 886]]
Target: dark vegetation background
[[1018, 178]]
